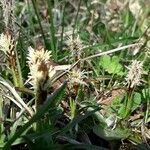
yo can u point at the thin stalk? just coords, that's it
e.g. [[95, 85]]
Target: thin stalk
[[19, 73], [52, 29], [62, 32], [15, 69], [1, 116], [76, 17], [129, 103], [110, 51], [30, 17], [147, 102], [39, 21], [15, 81], [73, 107], [40, 98]]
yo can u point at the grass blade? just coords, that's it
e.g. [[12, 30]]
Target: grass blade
[[37, 116]]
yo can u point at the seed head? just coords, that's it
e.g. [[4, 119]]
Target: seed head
[[38, 56], [75, 45], [8, 8], [7, 46], [77, 77], [6, 42], [135, 73], [41, 73]]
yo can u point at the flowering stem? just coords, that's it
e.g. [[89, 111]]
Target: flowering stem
[[73, 106], [14, 78], [52, 30], [39, 21], [128, 103], [18, 73], [40, 97]]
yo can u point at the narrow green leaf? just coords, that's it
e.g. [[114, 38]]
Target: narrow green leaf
[[78, 120], [40, 113]]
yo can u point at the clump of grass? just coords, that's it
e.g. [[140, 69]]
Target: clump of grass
[[91, 98]]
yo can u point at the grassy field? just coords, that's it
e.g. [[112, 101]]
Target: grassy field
[[75, 74]]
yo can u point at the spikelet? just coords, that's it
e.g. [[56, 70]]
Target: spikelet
[[7, 46], [75, 45], [135, 73], [77, 77], [8, 8], [6, 43], [41, 73]]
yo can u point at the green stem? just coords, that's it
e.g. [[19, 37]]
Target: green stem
[[30, 17], [20, 79], [39, 21], [15, 81], [62, 32], [16, 71], [129, 103], [52, 29], [40, 98], [76, 17]]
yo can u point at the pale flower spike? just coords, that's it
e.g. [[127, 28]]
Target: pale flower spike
[[37, 56], [75, 45], [77, 76], [135, 73], [41, 73], [5, 42]]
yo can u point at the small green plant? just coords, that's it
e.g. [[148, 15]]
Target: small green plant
[[74, 75], [111, 65]]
